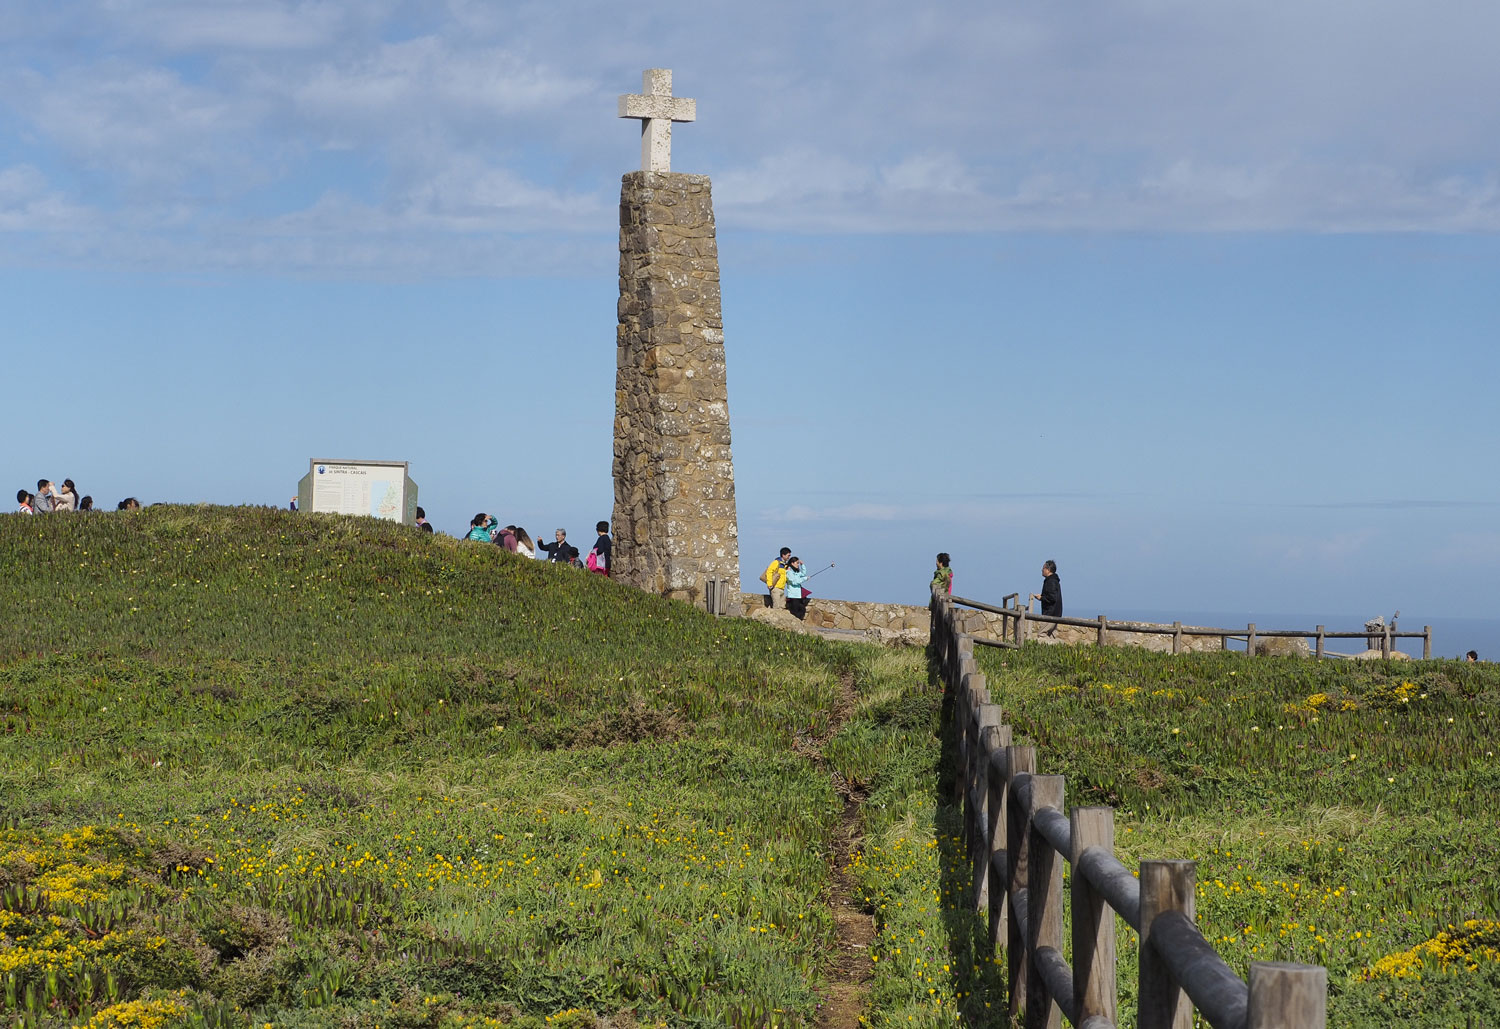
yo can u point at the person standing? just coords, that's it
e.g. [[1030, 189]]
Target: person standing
[[524, 546], [422, 522], [1051, 595], [557, 551], [603, 553], [45, 492], [942, 577], [23, 503], [775, 576], [479, 528], [796, 593], [506, 538], [66, 498]]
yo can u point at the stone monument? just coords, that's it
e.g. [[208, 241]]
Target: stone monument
[[674, 519]]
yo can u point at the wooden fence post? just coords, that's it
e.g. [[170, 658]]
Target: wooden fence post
[[960, 759], [995, 811], [1103, 627], [1385, 643], [969, 749], [1250, 640], [1094, 978], [1177, 637], [1019, 760], [1165, 886], [1287, 996], [1044, 908], [1426, 642], [1020, 626], [979, 820], [1321, 641]]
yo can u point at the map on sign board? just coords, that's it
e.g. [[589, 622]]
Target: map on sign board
[[377, 490]]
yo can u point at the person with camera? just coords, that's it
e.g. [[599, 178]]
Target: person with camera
[[796, 591]]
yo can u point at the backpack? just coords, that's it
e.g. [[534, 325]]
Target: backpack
[[592, 564]]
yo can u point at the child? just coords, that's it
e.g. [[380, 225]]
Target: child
[[942, 578]]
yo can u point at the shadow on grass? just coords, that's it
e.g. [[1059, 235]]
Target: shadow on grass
[[978, 981]]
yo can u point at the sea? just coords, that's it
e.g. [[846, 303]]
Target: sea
[[1451, 637]]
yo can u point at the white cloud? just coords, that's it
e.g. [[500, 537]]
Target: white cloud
[[428, 78], [29, 204], [194, 25], [469, 117]]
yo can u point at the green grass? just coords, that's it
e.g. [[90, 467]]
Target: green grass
[[1340, 813], [315, 771], [325, 771]]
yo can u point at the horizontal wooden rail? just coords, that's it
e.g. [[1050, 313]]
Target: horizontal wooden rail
[[997, 644], [1019, 616], [1020, 834]]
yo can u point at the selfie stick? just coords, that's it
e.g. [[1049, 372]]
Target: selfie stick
[[820, 571]]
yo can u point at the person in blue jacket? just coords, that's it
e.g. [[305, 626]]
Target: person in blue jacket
[[796, 594], [479, 528]]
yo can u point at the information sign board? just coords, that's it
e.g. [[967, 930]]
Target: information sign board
[[379, 489]]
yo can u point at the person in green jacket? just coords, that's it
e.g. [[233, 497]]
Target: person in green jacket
[[942, 578], [479, 528]]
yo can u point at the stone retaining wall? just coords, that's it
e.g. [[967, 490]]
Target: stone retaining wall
[[911, 620]]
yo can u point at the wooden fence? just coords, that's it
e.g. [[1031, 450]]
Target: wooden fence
[[1014, 620], [1019, 834]]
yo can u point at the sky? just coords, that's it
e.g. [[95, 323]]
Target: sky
[[1198, 300]]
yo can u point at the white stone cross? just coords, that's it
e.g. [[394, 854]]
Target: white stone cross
[[657, 109]]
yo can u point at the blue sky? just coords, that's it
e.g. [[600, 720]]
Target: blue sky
[[1199, 300]]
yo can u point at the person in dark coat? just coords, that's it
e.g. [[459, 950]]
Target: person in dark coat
[[1051, 595], [557, 551]]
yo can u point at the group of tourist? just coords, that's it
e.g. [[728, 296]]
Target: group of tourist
[[50, 498], [484, 528], [786, 581]]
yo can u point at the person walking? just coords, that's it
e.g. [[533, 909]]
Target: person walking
[[602, 555], [796, 592], [775, 576], [557, 551], [942, 577]]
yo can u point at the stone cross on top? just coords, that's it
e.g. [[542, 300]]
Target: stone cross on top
[[657, 109]]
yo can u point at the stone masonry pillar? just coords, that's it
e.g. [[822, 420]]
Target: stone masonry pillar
[[674, 518]]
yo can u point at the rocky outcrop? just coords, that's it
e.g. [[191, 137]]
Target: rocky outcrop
[[1282, 646]]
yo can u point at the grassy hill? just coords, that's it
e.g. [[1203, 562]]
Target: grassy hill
[[266, 769], [330, 771]]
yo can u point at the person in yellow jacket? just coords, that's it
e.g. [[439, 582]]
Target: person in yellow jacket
[[775, 577]]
